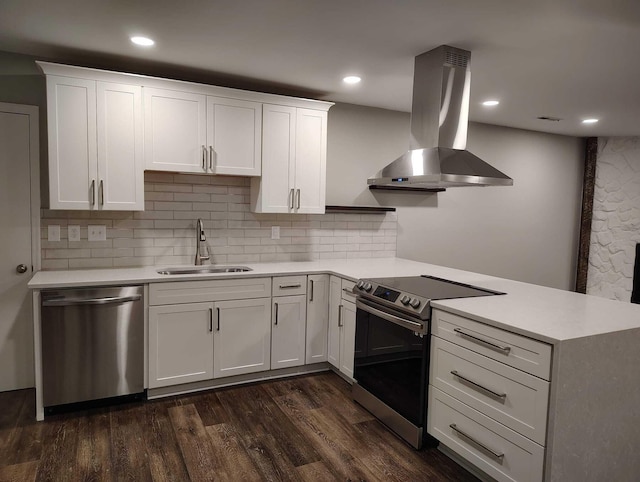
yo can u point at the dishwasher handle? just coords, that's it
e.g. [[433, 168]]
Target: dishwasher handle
[[90, 301]]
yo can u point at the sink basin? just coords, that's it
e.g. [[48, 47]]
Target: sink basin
[[203, 269]]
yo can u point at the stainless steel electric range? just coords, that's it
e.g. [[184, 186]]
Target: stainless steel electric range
[[391, 366]]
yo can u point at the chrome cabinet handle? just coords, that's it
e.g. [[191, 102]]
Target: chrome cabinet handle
[[311, 290], [92, 196], [204, 158], [340, 315], [276, 315], [347, 290], [218, 314], [287, 287], [211, 152], [491, 453], [481, 388], [101, 193], [298, 195], [291, 196], [21, 268], [480, 341], [210, 320]]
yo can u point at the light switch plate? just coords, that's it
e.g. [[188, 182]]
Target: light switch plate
[[73, 232], [275, 232], [97, 232], [53, 232]]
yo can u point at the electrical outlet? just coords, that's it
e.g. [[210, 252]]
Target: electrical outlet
[[275, 232], [73, 232], [97, 232], [53, 232]]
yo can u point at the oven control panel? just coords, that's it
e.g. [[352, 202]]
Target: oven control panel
[[400, 300]]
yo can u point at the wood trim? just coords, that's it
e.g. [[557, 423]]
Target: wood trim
[[588, 186]]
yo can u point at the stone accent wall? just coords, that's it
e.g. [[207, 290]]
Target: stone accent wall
[[616, 218], [164, 233]]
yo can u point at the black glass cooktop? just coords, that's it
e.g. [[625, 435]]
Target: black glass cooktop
[[433, 288]]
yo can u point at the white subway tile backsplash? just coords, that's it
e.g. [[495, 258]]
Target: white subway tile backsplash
[[164, 234]]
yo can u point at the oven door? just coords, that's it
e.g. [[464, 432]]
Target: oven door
[[391, 359]]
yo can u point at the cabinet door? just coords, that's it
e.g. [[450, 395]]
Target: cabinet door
[[335, 321], [120, 164], [180, 344], [288, 331], [71, 116], [317, 318], [348, 338], [242, 337], [234, 136], [174, 131], [273, 193], [310, 161]]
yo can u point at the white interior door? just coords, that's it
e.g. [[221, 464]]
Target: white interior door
[[18, 151]]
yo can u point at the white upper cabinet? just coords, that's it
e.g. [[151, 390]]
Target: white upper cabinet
[[188, 132], [310, 161], [175, 132], [95, 145], [294, 155], [234, 132]]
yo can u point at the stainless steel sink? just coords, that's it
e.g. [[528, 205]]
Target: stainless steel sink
[[203, 269]]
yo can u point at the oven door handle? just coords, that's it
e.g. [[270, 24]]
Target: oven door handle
[[403, 322]]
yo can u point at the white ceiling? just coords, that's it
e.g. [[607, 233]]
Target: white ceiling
[[570, 59]]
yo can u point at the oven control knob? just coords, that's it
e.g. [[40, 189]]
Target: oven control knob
[[405, 300], [367, 287], [414, 303], [359, 284]]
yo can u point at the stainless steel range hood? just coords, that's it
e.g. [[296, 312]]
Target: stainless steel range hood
[[439, 116]]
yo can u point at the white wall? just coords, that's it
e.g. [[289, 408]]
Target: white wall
[[528, 232], [616, 218]]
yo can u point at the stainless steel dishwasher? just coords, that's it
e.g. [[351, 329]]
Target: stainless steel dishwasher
[[92, 345]]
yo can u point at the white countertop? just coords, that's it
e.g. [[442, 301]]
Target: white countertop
[[542, 313]]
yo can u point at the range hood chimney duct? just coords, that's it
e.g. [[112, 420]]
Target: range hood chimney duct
[[437, 157]]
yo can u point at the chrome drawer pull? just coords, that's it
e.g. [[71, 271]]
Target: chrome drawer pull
[[347, 290], [494, 455], [287, 287], [488, 344], [477, 386]]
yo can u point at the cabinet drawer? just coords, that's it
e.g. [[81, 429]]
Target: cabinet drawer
[[289, 285], [477, 436], [480, 382], [208, 290], [347, 287], [518, 351]]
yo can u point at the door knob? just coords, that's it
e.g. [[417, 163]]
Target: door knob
[[21, 268]]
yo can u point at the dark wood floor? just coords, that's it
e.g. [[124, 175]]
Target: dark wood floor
[[305, 428]]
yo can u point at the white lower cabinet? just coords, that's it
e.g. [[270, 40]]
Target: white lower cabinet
[[201, 330], [495, 449], [288, 331], [342, 326], [317, 318], [180, 344], [488, 396], [241, 342]]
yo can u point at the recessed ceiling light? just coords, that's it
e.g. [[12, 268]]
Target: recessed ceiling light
[[589, 121], [142, 41], [351, 79], [490, 103]]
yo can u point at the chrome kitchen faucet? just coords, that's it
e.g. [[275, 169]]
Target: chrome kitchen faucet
[[201, 245]]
